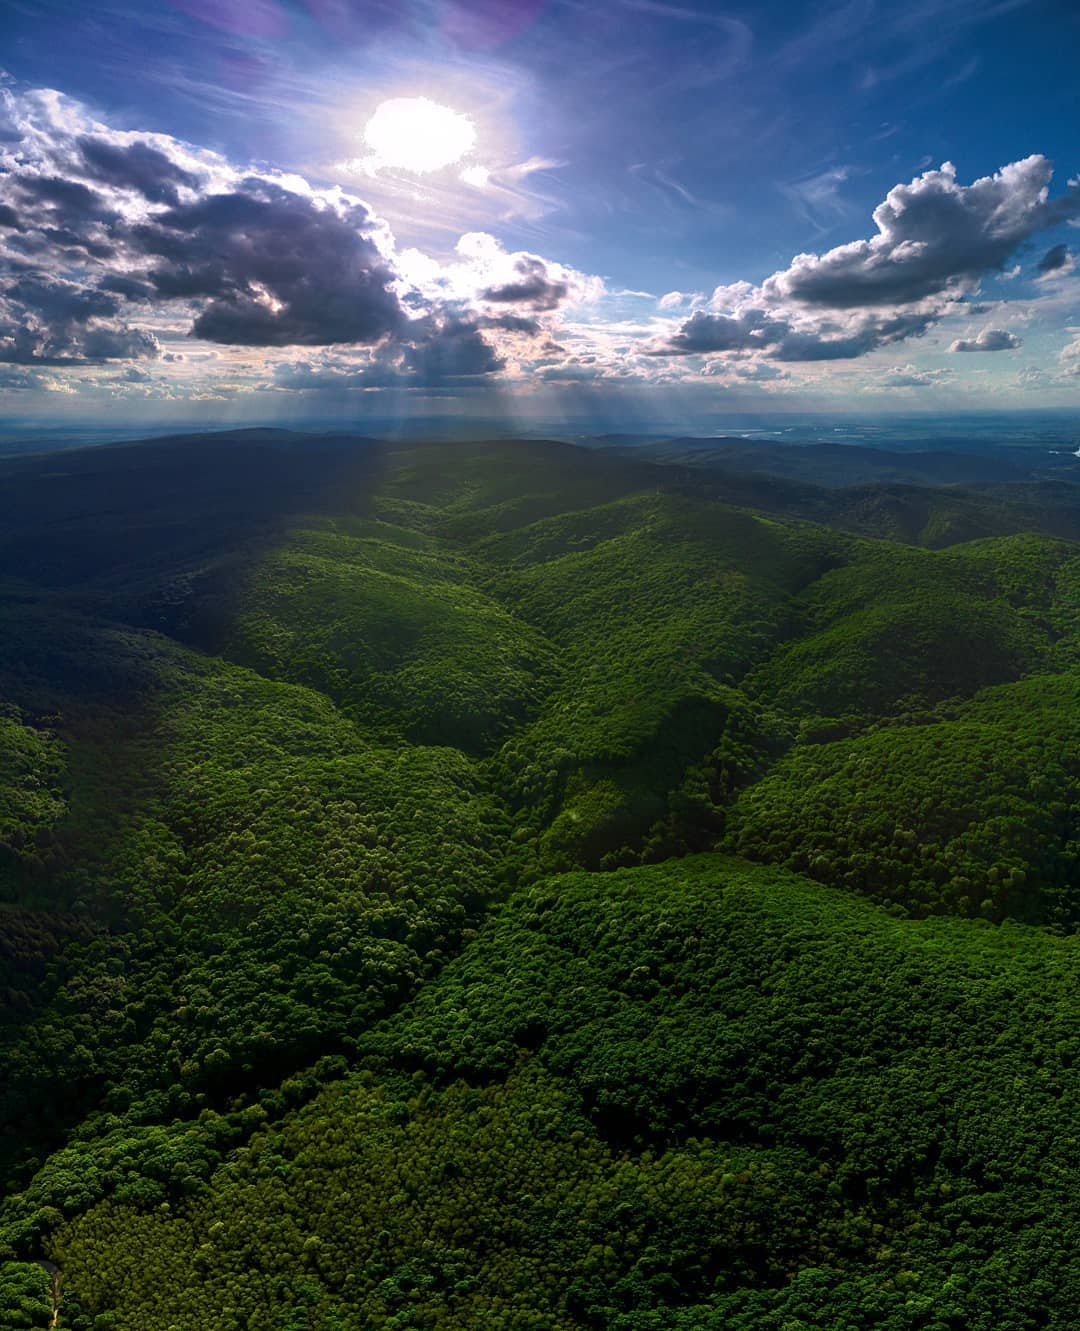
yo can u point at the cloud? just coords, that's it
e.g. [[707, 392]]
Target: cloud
[[934, 237], [101, 229], [990, 339], [277, 268], [816, 199], [1069, 358], [1031, 378], [745, 372], [115, 244], [19, 379], [335, 375], [1058, 261], [484, 273], [791, 337], [572, 372], [935, 241], [532, 285], [910, 376], [671, 300], [849, 339], [527, 324], [137, 166], [443, 351], [50, 321], [455, 350], [759, 371], [704, 332]]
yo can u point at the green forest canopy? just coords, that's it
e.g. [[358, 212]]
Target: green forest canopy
[[497, 886]]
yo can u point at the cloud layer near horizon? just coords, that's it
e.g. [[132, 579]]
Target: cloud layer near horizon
[[115, 245]]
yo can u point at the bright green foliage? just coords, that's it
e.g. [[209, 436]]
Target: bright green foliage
[[897, 629], [975, 812], [665, 607], [700, 1000], [393, 632], [474, 490], [743, 1088], [25, 1295], [686, 597], [494, 1207], [1040, 577], [273, 880], [312, 1018]]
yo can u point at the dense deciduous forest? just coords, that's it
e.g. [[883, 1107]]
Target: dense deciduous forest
[[513, 886]]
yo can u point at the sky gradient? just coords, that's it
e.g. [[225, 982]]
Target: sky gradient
[[661, 212]]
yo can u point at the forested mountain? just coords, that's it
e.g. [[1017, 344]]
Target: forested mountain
[[510, 885], [948, 461], [923, 496]]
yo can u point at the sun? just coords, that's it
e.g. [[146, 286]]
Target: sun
[[417, 134]]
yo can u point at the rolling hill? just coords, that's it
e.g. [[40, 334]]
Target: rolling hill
[[515, 885]]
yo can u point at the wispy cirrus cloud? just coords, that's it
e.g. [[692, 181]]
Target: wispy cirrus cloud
[[818, 199]]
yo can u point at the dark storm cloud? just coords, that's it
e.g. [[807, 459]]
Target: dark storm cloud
[[63, 198], [512, 323], [62, 226], [100, 227], [867, 334], [105, 343], [704, 332], [130, 288], [533, 286], [48, 321], [252, 260], [278, 268], [1054, 260], [135, 166], [756, 328], [990, 339], [447, 352], [56, 217], [807, 347], [57, 301], [454, 350], [76, 246]]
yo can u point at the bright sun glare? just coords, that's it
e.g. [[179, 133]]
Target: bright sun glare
[[417, 134]]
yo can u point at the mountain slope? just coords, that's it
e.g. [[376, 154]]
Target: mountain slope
[[696, 1095]]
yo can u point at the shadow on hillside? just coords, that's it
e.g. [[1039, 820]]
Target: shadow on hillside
[[138, 533]]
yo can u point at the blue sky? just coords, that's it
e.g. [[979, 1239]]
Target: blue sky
[[641, 180]]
